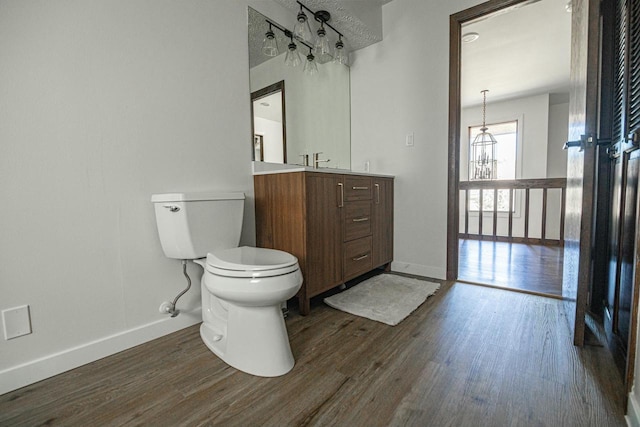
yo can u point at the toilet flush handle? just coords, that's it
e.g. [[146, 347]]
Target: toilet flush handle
[[172, 208]]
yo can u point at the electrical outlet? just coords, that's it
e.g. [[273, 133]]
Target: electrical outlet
[[409, 140], [16, 321]]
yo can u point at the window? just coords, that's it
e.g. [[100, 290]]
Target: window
[[506, 134]]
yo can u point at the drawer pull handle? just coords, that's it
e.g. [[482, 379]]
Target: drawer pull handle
[[341, 201], [377, 194], [360, 258], [360, 219], [360, 188]]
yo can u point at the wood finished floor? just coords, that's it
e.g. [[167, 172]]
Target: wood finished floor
[[532, 268], [469, 356]]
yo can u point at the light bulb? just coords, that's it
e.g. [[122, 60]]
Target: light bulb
[[310, 66], [292, 58], [322, 43], [270, 44], [339, 55], [302, 29]]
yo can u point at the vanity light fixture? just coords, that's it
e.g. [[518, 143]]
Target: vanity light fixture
[[483, 150], [270, 44], [322, 49], [302, 33]]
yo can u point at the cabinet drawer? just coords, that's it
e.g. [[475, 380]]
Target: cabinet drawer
[[357, 257], [357, 221], [357, 188]]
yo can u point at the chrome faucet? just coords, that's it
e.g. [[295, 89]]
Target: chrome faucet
[[316, 160], [305, 159]]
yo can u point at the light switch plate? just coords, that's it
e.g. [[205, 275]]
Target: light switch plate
[[16, 321], [409, 140]]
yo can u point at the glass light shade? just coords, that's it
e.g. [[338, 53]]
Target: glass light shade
[[270, 44], [310, 66], [339, 54], [322, 44], [292, 58], [302, 29]]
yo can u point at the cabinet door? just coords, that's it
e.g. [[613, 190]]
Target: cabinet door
[[325, 199], [382, 214]]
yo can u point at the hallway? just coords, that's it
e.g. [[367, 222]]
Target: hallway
[[531, 268]]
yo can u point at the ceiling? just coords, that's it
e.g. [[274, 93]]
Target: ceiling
[[355, 19], [269, 107], [522, 52]]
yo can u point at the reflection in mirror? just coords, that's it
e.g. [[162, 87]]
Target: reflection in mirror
[[317, 108], [269, 124]]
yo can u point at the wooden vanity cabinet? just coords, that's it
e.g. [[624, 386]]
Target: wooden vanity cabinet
[[382, 224], [338, 226]]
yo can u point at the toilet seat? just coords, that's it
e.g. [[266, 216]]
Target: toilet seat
[[250, 262]]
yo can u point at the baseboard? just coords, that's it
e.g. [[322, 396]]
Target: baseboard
[[57, 363], [418, 270], [633, 410]]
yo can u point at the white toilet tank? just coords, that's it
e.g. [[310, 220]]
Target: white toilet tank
[[191, 225]]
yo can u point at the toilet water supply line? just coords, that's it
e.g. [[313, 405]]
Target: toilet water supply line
[[170, 308]]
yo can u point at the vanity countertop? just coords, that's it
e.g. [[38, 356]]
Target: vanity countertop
[[264, 168]]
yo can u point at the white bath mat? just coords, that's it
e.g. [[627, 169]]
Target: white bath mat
[[386, 298]]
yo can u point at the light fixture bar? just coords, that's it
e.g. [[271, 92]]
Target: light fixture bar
[[320, 17], [288, 33]]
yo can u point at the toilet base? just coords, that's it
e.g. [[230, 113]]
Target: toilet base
[[256, 341]]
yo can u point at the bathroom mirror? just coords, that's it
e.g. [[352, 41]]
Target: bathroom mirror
[[317, 108]]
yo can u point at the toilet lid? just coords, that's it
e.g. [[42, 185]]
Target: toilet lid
[[251, 262]]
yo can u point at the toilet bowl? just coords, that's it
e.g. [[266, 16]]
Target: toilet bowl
[[242, 287], [242, 292]]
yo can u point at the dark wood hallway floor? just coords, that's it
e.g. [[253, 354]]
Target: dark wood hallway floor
[[519, 266], [469, 356]]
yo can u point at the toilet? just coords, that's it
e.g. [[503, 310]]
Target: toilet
[[243, 288]]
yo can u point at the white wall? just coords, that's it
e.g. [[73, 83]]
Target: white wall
[[556, 160], [633, 408], [532, 114], [400, 86], [558, 131], [104, 103], [271, 130]]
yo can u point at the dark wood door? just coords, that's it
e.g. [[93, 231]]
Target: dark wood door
[[382, 208], [581, 171], [621, 295]]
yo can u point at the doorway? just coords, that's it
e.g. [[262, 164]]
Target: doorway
[[269, 124], [510, 219]]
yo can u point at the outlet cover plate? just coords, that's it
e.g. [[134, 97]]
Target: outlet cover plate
[[16, 321]]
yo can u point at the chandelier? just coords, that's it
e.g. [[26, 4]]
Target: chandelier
[[483, 163]]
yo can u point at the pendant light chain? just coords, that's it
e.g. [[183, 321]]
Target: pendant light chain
[[484, 110]]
